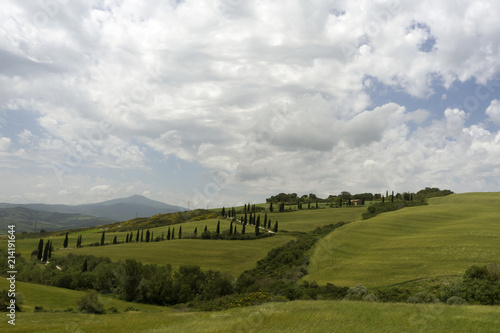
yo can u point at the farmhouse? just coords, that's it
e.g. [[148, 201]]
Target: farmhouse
[[356, 202]]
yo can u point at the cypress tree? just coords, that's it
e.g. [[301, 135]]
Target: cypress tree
[[168, 234], [195, 232], [245, 220], [102, 238], [234, 232], [130, 237], [233, 212], [218, 228], [317, 205], [243, 229], [50, 249], [147, 236], [180, 232], [276, 227], [65, 244], [46, 252], [223, 213], [258, 220], [309, 205], [231, 229], [173, 233], [40, 250], [126, 239], [271, 207], [392, 196], [269, 224], [382, 199], [265, 219], [84, 268], [245, 208], [115, 240], [137, 236], [206, 229], [142, 235], [257, 229]]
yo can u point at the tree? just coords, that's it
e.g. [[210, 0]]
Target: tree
[[392, 196], [115, 240], [147, 235], [137, 236], [269, 224], [206, 229], [195, 232], [85, 266], [243, 229], [126, 239], [79, 241], [218, 228], [90, 303], [258, 220], [265, 219], [276, 227], [168, 234], [180, 232], [223, 213], [142, 235], [245, 220], [271, 207], [102, 238], [40, 249], [173, 233], [234, 232], [46, 252], [65, 243], [130, 237], [231, 228], [50, 249], [257, 229]]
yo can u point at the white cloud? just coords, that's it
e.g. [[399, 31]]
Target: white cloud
[[493, 111], [275, 93]]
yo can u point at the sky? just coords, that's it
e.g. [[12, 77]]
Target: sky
[[210, 103]]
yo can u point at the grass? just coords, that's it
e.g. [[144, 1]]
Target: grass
[[442, 239], [300, 316], [60, 299]]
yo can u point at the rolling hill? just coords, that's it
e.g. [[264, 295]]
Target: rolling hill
[[80, 216], [441, 239]]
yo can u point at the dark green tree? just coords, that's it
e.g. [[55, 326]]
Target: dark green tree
[[257, 229], [218, 228], [115, 240], [258, 220], [85, 266], [102, 238], [46, 252], [65, 243], [269, 224], [168, 234], [173, 233], [180, 232], [271, 207], [51, 247], [223, 213], [231, 228], [243, 229], [245, 220], [137, 236], [142, 235], [147, 236], [234, 231], [276, 227], [126, 239], [206, 229], [195, 232], [40, 250]]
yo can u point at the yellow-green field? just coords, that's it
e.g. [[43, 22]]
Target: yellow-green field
[[299, 316], [444, 238]]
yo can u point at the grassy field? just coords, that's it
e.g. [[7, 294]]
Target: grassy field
[[300, 316], [60, 299], [441, 239]]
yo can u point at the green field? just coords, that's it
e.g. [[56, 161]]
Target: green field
[[442, 239], [300, 316]]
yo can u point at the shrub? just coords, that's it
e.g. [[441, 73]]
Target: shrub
[[357, 293], [90, 304], [423, 297], [455, 300], [370, 298], [39, 308]]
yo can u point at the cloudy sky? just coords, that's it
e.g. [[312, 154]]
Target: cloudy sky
[[220, 102]]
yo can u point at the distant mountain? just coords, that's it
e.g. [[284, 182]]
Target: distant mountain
[[117, 209], [30, 220]]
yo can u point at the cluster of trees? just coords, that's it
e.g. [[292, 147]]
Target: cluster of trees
[[255, 220], [43, 253]]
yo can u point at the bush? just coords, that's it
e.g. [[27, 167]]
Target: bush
[[357, 293], [423, 297], [370, 298], [90, 304], [455, 300], [39, 308]]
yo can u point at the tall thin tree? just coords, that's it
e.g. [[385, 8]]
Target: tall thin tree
[[65, 243]]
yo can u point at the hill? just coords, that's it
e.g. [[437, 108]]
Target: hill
[[441, 239], [117, 209], [29, 220]]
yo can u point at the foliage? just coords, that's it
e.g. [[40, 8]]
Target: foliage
[[377, 208], [433, 192], [423, 297], [90, 303]]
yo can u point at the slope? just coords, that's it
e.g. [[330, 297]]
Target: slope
[[441, 239]]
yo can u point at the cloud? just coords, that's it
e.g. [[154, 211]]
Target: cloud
[[277, 94], [493, 111]]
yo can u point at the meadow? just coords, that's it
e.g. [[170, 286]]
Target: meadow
[[439, 240], [299, 316]]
